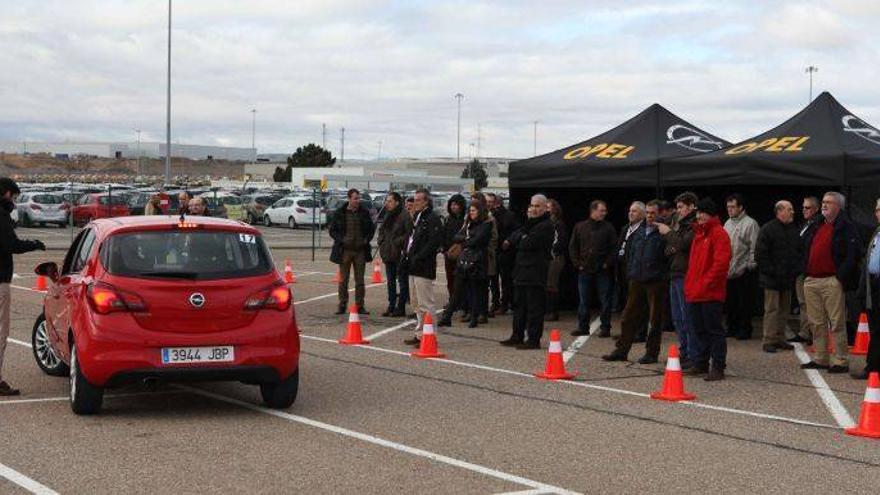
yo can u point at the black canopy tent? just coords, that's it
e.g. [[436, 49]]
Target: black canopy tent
[[619, 165], [822, 145]]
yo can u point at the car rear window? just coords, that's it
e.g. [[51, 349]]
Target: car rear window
[[46, 199], [193, 255]]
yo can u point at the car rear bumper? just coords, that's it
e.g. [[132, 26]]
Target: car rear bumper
[[246, 374]]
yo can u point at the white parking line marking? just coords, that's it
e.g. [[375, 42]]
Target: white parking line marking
[[841, 415], [525, 492], [66, 398], [332, 294], [580, 341], [487, 471], [19, 342], [25, 482], [389, 330], [27, 289], [700, 405]]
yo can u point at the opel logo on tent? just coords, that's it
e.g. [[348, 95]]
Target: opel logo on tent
[[857, 126], [197, 299], [691, 139]]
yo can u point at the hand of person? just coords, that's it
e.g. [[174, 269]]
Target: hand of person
[[40, 245], [663, 228], [505, 245]]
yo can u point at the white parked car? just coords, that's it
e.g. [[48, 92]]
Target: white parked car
[[294, 211], [41, 208]]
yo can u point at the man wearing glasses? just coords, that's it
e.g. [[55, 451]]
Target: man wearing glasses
[[810, 211]]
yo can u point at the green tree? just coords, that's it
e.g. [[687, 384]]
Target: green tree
[[477, 171], [310, 155]]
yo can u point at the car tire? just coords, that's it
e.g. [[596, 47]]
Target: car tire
[[85, 398], [44, 354], [291, 223], [281, 395], [267, 221]]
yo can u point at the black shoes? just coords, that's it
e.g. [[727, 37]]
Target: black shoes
[[340, 310], [614, 356], [784, 346], [648, 359], [363, 311], [838, 369], [444, 321], [714, 375], [525, 346], [398, 313], [472, 324], [413, 341], [813, 365], [797, 339], [604, 333], [482, 320], [511, 342], [580, 333], [697, 369], [8, 391], [388, 312], [769, 348]]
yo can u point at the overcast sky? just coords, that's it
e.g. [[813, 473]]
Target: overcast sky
[[387, 71]]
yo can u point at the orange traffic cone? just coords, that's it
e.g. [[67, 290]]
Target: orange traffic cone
[[428, 347], [289, 277], [377, 272], [555, 367], [869, 418], [863, 337], [673, 385], [338, 277], [40, 283], [354, 335]]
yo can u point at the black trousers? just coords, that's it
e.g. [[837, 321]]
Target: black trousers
[[711, 344], [740, 304], [528, 313], [502, 283], [872, 362], [469, 292]]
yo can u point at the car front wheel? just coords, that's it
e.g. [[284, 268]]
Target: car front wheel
[[45, 355], [85, 398], [291, 223], [266, 220], [281, 395]]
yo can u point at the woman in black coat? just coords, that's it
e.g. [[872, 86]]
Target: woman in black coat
[[472, 267], [557, 264]]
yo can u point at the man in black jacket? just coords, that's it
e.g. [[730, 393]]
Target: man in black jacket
[[778, 254], [9, 244], [592, 250], [420, 259], [869, 296], [501, 284], [831, 262], [647, 267], [532, 244], [812, 218], [352, 230]]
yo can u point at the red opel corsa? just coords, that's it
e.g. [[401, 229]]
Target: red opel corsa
[[156, 298]]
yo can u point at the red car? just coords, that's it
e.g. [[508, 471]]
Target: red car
[[91, 206], [153, 299]]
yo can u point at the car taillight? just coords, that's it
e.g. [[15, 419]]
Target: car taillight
[[273, 297], [106, 299], [36, 207]]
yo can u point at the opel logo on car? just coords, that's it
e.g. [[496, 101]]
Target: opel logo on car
[[691, 139], [857, 126], [197, 299]]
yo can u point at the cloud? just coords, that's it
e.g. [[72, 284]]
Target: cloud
[[95, 70]]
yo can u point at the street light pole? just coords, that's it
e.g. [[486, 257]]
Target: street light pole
[[458, 96], [535, 139], [810, 70], [254, 133], [168, 106]]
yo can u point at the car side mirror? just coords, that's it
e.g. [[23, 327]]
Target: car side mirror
[[48, 269]]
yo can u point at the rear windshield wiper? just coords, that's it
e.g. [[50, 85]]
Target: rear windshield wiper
[[187, 275]]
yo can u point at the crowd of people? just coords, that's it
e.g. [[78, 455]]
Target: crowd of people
[[672, 267]]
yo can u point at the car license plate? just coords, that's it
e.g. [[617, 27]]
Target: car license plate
[[177, 355]]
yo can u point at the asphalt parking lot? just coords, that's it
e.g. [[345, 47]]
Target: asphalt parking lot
[[371, 419]]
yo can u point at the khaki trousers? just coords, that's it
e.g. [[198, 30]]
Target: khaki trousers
[[805, 329], [826, 307], [4, 322], [777, 306], [421, 292]]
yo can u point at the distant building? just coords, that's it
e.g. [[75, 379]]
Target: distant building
[[129, 150]]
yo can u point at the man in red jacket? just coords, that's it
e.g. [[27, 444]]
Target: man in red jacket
[[705, 289]]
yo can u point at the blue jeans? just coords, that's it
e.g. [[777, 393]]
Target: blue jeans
[[681, 318], [602, 282]]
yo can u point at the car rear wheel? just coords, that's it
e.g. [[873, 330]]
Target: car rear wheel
[[291, 223], [266, 220], [281, 395], [85, 398], [45, 355]]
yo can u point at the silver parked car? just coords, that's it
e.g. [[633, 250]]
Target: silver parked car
[[41, 208]]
